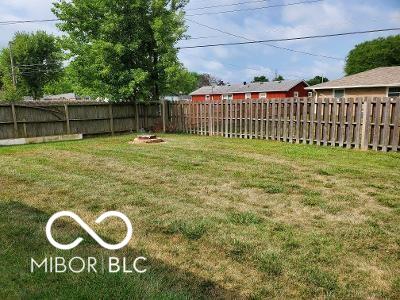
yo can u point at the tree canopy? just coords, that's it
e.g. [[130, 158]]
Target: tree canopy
[[123, 49], [381, 52], [278, 78], [261, 79], [37, 60], [317, 80]]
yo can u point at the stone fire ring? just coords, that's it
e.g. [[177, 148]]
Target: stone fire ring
[[147, 139]]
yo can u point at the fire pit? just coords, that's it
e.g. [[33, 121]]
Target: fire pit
[[147, 139]]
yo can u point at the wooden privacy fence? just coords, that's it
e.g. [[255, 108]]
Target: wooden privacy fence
[[360, 123], [39, 119], [353, 123]]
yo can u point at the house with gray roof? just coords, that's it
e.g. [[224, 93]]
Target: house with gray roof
[[379, 82], [255, 90]]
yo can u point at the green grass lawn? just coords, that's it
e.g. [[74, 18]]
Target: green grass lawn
[[217, 218]]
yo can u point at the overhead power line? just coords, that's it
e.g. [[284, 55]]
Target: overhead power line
[[254, 8], [227, 5], [269, 45], [42, 64], [4, 23], [292, 39]]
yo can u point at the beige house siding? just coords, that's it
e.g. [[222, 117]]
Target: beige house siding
[[356, 92]]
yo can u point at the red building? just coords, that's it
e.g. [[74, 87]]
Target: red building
[[257, 90]]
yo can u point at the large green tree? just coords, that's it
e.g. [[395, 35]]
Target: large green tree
[[123, 49], [381, 52], [37, 60]]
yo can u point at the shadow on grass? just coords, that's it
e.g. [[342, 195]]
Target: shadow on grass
[[22, 237]]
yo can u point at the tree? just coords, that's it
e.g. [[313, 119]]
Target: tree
[[207, 80], [61, 85], [261, 79], [381, 52], [278, 78], [317, 80], [182, 82], [123, 49], [37, 60]]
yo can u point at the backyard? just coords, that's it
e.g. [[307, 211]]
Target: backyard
[[217, 218]]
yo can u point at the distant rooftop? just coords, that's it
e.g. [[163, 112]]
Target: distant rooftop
[[256, 87], [380, 77]]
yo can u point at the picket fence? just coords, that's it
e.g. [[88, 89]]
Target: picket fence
[[361, 123]]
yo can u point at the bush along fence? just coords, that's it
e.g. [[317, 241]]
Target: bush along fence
[[361, 123], [38, 119]]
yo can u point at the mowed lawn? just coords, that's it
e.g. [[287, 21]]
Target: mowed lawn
[[217, 218]]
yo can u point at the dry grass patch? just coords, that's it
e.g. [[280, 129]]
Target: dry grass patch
[[231, 218]]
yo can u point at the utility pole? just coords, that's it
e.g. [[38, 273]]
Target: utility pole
[[14, 78]]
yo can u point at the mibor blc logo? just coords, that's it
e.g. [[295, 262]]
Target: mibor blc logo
[[79, 264], [89, 230]]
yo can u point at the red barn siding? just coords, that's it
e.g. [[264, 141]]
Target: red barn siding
[[276, 95], [199, 98], [238, 96], [298, 88]]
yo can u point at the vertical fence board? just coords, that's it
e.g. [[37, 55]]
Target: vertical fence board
[[256, 119], [396, 124], [319, 122], [386, 125], [357, 131], [342, 121], [349, 127], [305, 120], [285, 120], [298, 120], [312, 121], [377, 123], [326, 122], [273, 121]]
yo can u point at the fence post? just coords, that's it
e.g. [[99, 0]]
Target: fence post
[[110, 113], [386, 125], [366, 120], [137, 117], [14, 116], [210, 118], [67, 118], [164, 115], [227, 118], [396, 122]]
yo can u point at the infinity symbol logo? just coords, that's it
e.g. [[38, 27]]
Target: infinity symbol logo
[[89, 230]]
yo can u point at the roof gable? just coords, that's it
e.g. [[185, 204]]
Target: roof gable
[[380, 77]]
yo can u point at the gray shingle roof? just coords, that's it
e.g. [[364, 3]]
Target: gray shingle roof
[[257, 87], [380, 77]]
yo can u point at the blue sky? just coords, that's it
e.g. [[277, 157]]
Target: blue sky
[[242, 63]]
